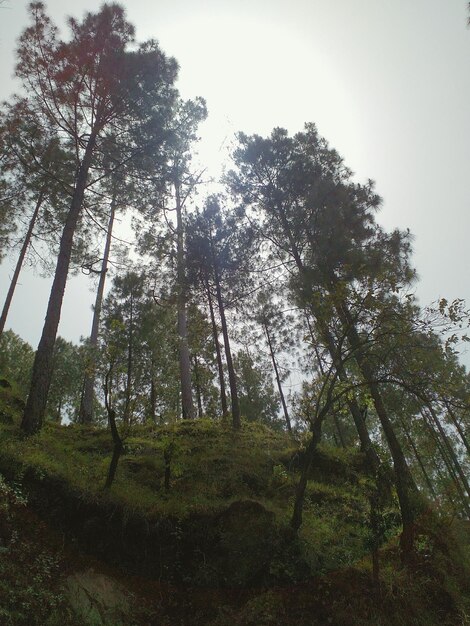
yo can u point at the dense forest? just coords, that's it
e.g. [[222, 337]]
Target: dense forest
[[262, 408]]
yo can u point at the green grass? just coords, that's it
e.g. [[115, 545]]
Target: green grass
[[210, 464]]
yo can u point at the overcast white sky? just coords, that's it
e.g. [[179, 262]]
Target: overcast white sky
[[386, 81]]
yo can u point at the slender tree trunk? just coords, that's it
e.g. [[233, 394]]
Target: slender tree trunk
[[366, 444], [408, 495], [19, 263], [367, 448], [448, 463], [117, 441], [450, 450], [296, 520], [418, 457], [220, 367], [198, 388], [130, 351], [278, 379], [86, 404], [458, 426], [316, 428], [117, 448], [364, 438], [153, 399], [401, 467], [33, 416], [228, 356], [312, 336], [450, 497], [338, 430], [183, 346]]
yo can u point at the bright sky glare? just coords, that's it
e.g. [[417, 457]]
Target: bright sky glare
[[386, 81]]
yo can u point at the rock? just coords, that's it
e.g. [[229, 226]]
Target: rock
[[98, 600]]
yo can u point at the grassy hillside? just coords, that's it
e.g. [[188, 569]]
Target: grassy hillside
[[195, 530]]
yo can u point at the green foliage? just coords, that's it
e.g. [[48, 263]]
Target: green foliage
[[16, 361], [11, 403], [66, 387], [258, 401]]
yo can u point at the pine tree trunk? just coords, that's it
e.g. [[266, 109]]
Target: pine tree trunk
[[366, 444], [367, 448], [448, 463], [183, 346], [408, 495], [153, 399], [418, 457], [236, 422], [130, 364], [401, 469], [86, 404], [220, 367], [19, 263], [117, 448], [278, 379], [296, 521], [34, 413], [338, 430], [198, 388], [456, 507], [450, 450], [458, 426]]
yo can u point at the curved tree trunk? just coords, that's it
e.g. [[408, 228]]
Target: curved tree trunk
[[408, 495], [405, 482], [367, 448], [366, 444]]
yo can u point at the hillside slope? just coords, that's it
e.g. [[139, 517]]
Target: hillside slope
[[195, 531]]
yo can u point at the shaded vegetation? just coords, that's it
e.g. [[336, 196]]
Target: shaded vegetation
[[217, 538]]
